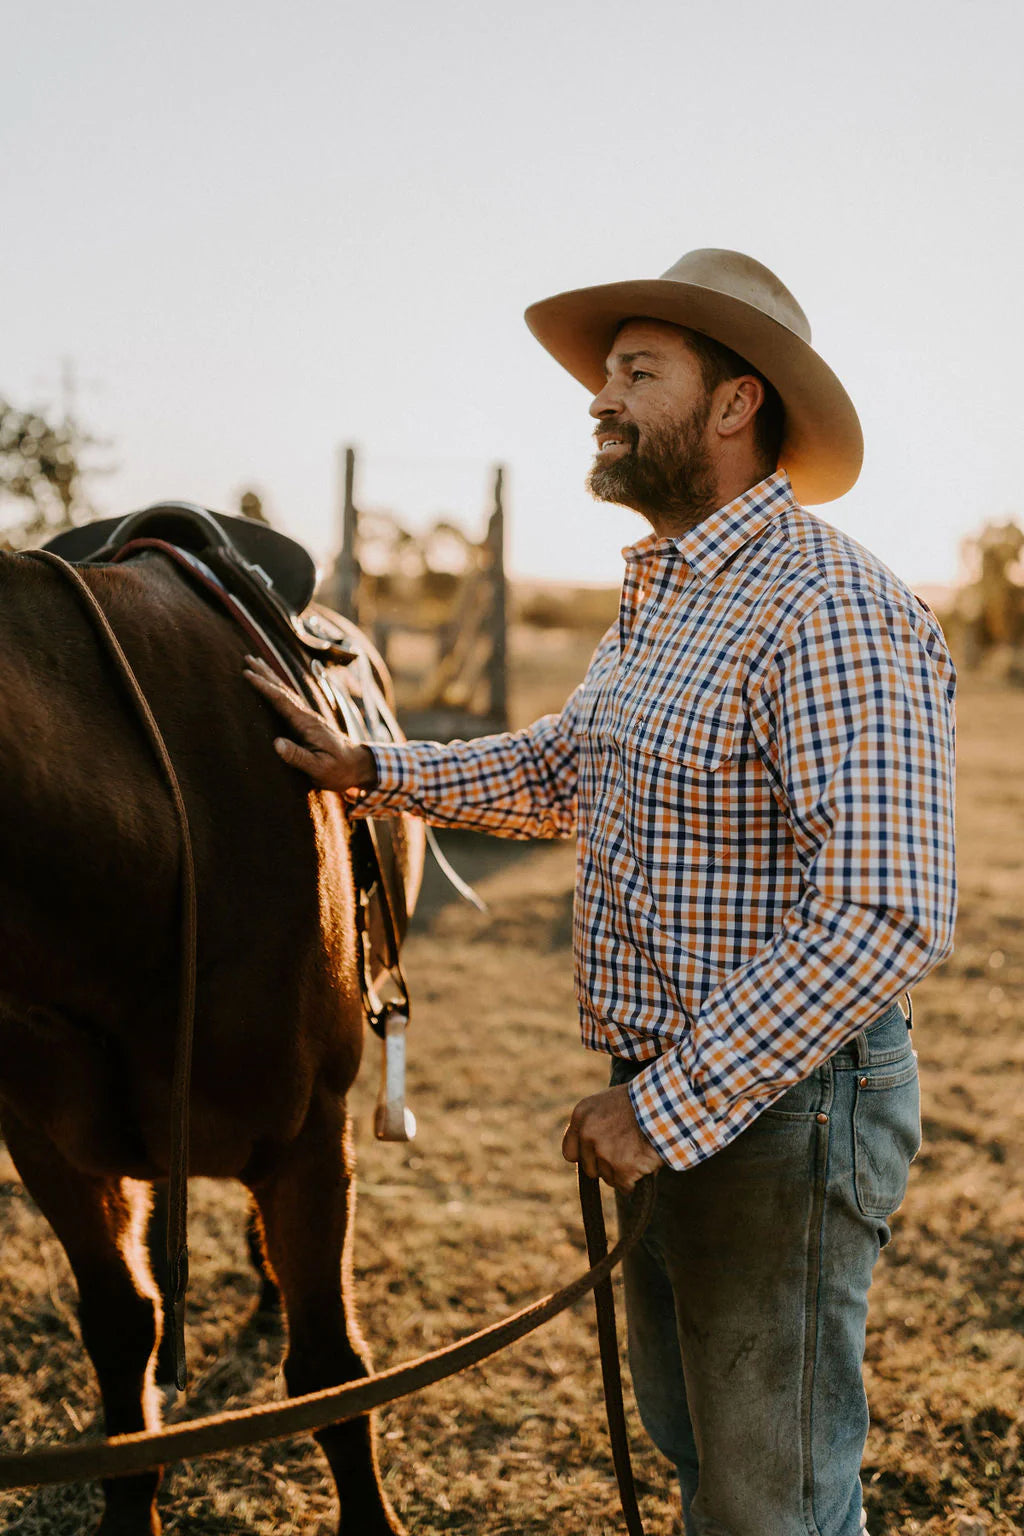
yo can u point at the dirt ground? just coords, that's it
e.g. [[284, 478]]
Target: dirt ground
[[478, 1216]]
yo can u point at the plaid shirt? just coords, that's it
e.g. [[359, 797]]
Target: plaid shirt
[[759, 770]]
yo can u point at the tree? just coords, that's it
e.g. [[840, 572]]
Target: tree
[[41, 475]]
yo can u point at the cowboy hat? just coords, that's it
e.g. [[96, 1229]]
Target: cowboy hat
[[734, 300]]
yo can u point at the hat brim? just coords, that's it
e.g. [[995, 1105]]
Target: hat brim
[[823, 446]]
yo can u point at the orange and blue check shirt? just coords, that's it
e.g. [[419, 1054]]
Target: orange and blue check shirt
[[758, 768]]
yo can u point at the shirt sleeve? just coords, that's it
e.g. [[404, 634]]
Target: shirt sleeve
[[519, 784], [854, 724]]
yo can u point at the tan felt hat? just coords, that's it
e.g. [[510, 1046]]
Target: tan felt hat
[[737, 301]]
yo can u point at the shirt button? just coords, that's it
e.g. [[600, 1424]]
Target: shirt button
[[822, 1119]]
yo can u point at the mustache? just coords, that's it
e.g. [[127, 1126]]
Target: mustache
[[623, 429]]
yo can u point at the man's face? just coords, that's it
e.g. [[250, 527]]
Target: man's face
[[653, 447]]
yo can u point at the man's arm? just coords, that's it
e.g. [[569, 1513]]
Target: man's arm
[[519, 784], [854, 723]]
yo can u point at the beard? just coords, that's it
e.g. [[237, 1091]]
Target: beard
[[670, 480]]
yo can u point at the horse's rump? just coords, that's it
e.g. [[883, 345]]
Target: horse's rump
[[96, 850]]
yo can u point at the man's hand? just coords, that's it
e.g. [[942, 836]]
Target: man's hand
[[604, 1136], [331, 759]]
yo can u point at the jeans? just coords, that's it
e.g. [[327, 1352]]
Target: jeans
[[746, 1299]]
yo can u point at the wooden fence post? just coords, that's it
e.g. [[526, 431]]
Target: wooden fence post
[[497, 666], [346, 568], [465, 689]]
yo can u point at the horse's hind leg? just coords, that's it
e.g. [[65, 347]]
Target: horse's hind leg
[[97, 1224], [306, 1208]]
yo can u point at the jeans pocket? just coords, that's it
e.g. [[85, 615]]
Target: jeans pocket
[[886, 1135], [803, 1101]]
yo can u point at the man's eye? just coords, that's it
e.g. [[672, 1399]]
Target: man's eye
[[638, 373]]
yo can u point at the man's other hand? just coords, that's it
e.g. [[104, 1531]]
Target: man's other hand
[[604, 1136], [330, 759]]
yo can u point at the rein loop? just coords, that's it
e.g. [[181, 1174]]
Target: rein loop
[[124, 1455]]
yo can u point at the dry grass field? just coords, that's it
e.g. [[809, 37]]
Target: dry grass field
[[478, 1216]]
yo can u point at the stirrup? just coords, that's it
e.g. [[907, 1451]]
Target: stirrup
[[392, 1120]]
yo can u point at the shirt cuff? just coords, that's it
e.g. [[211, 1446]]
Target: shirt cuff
[[674, 1119], [391, 781]]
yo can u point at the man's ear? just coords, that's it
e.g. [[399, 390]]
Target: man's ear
[[742, 398]]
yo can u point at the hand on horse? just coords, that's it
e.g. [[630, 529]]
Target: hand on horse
[[604, 1136], [331, 759]]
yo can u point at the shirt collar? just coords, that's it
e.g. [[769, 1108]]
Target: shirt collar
[[713, 542]]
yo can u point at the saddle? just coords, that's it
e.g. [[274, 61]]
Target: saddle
[[256, 563], [265, 581], [285, 565]]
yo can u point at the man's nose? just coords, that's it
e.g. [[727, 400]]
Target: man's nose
[[607, 403]]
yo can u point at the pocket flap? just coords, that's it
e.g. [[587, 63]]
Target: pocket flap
[[695, 740]]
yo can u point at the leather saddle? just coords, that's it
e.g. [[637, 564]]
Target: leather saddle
[[286, 567], [272, 576]]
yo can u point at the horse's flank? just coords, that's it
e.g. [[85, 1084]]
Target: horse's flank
[[89, 862], [89, 974]]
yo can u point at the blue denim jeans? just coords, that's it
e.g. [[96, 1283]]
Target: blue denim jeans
[[746, 1299]]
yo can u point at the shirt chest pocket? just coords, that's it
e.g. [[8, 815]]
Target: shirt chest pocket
[[695, 788]]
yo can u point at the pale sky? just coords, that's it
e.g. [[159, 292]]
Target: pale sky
[[262, 232]]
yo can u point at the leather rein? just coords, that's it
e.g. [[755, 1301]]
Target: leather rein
[[122, 1455], [181, 1075]]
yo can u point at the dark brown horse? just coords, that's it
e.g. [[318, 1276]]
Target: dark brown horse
[[89, 965]]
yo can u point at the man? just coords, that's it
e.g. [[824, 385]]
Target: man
[[758, 767]]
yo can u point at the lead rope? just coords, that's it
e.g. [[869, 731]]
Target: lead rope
[[177, 1181], [146, 1450], [608, 1349], [220, 1433]]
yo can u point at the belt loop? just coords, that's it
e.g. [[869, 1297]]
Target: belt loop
[[861, 1044]]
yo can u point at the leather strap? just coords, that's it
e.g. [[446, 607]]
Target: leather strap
[[123, 1455], [178, 1131], [51, 1466], [608, 1348]]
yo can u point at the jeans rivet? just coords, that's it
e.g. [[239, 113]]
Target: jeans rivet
[[822, 1119], [863, 1082]]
